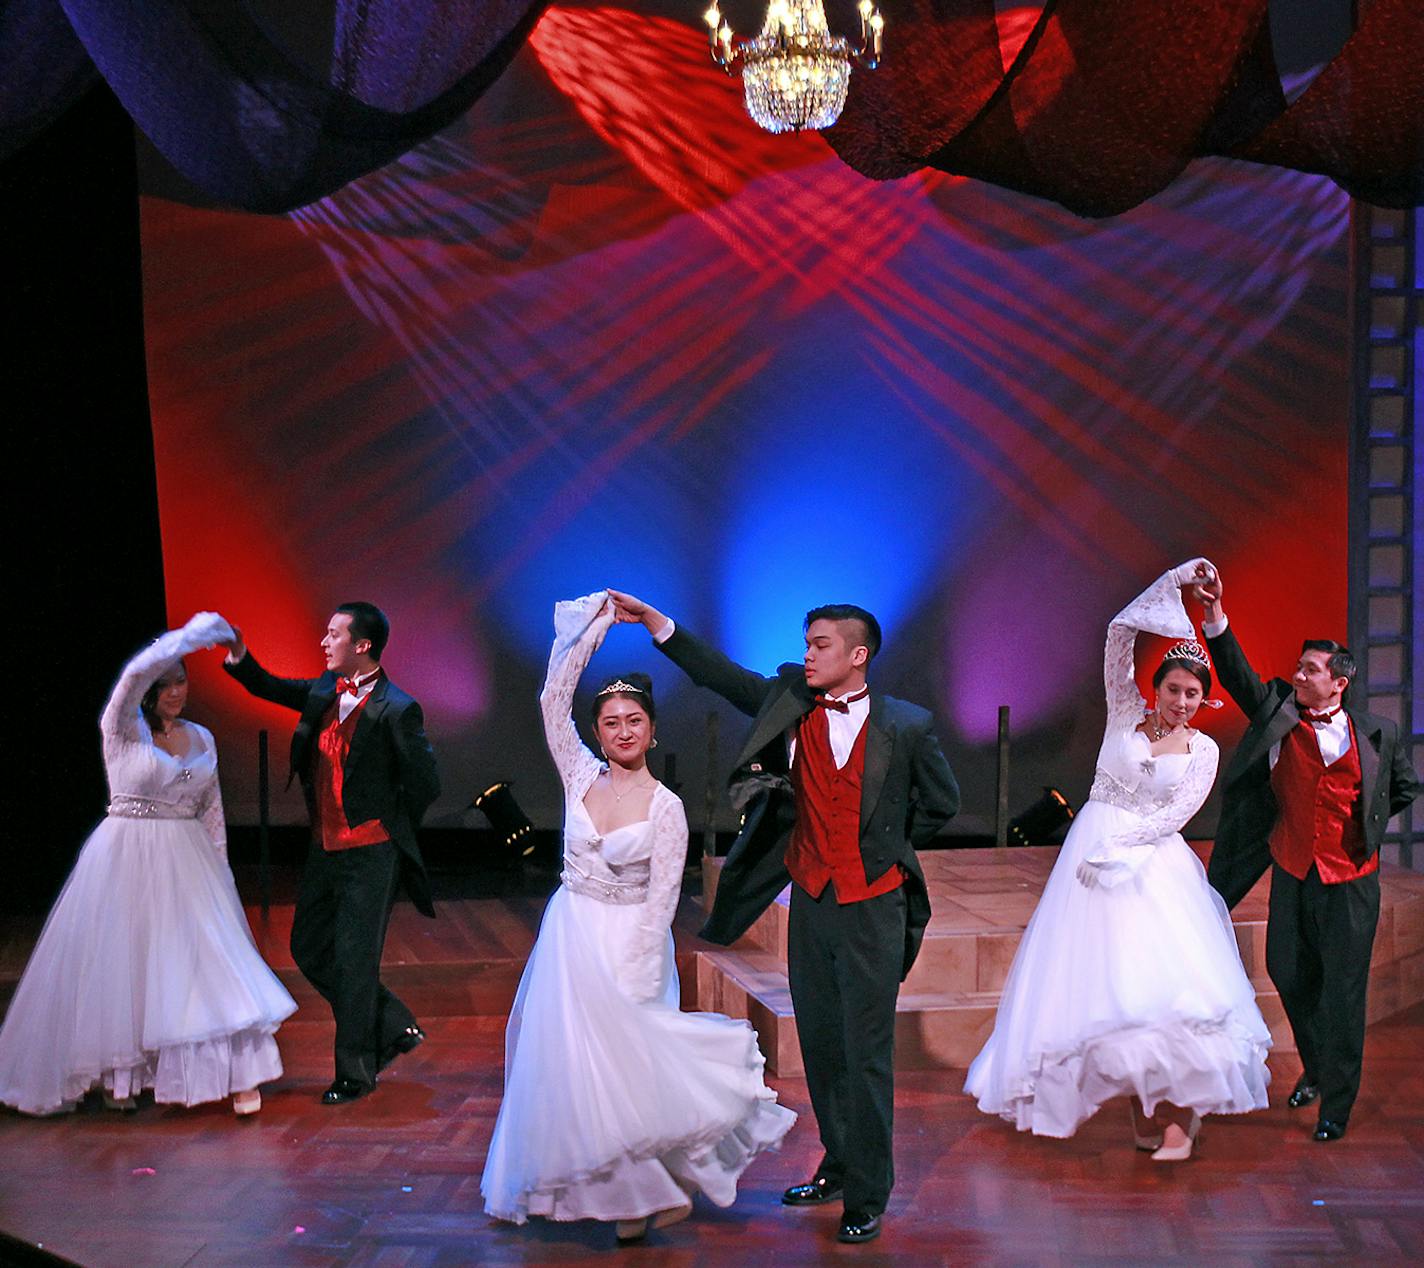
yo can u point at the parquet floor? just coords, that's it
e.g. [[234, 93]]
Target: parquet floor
[[394, 1179]]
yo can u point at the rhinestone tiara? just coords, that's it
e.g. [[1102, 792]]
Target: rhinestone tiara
[[1188, 649], [615, 687]]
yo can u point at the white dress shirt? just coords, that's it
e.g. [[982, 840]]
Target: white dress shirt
[[348, 700], [842, 727], [1332, 736]]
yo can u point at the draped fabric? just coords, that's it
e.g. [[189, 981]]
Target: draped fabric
[[263, 104], [1094, 104], [1107, 101]]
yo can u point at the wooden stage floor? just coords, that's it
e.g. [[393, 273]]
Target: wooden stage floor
[[394, 1179]]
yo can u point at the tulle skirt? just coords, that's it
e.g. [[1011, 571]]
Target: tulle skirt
[[1137, 989], [613, 1109], [145, 976]]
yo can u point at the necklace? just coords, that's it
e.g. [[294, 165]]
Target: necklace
[[632, 784], [1158, 729]]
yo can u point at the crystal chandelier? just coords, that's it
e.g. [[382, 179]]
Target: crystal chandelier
[[795, 72]]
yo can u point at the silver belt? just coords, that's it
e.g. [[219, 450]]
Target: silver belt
[[616, 893], [125, 806]]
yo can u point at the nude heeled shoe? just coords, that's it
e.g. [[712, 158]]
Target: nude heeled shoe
[[246, 1102], [124, 1104], [1180, 1153]]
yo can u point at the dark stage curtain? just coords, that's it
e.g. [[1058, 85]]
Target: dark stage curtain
[[83, 567], [267, 105]]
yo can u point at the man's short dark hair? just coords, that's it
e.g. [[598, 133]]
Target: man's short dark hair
[[869, 626], [1342, 661], [368, 622]]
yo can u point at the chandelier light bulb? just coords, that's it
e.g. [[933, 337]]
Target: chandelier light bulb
[[795, 73]]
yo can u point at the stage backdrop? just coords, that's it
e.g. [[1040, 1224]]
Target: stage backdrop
[[606, 332]]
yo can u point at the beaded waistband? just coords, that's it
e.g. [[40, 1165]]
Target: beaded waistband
[[127, 806], [616, 893], [1114, 792]]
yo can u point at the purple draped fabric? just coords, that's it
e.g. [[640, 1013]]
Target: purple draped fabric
[[43, 69]]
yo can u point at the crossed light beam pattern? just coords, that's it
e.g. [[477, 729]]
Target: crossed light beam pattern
[[605, 331]]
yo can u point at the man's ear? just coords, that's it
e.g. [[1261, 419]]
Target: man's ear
[[860, 657], [361, 647]]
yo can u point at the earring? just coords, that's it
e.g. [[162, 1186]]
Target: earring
[[654, 744]]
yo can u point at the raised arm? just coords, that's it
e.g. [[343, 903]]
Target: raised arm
[[291, 693], [1157, 610], [579, 629], [121, 721], [742, 688], [1120, 856], [642, 976]]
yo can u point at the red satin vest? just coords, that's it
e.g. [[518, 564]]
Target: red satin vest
[[1319, 822], [825, 843], [332, 746]]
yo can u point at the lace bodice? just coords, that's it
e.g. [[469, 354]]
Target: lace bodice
[[640, 863], [1163, 791], [145, 782]]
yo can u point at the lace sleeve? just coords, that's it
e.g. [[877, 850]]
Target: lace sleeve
[[643, 974], [210, 808], [579, 627], [121, 722], [1157, 610], [1120, 856]]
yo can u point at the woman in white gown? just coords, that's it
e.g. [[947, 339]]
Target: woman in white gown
[[617, 1106], [1128, 981], [145, 974]]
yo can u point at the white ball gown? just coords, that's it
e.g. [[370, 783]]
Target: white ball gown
[[1133, 984], [145, 974], [616, 1104]]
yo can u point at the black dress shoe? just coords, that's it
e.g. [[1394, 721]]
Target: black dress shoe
[[408, 1040], [821, 1189], [1328, 1129], [858, 1227], [344, 1090], [1306, 1093]]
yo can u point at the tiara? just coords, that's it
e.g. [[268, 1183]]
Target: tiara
[[1191, 650], [614, 688]]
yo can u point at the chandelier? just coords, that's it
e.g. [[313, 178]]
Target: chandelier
[[795, 73]]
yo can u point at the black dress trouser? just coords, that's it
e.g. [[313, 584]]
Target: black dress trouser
[[844, 966], [1319, 939], [338, 934]]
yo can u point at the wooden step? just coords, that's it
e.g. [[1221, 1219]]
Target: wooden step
[[982, 900]]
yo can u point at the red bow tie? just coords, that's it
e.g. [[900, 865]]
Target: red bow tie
[[1307, 716], [841, 706], [343, 685]]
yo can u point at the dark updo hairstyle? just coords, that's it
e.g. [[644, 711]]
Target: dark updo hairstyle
[[640, 688], [1194, 667], [149, 703]]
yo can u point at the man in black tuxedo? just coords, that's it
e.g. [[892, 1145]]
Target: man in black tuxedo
[[369, 775], [837, 787], [1309, 793]]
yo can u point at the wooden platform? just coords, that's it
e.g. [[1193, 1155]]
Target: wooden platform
[[394, 1179], [981, 901]]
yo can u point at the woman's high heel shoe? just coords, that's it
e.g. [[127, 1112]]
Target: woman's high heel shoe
[[631, 1230], [1180, 1153], [246, 1102], [125, 1104]]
